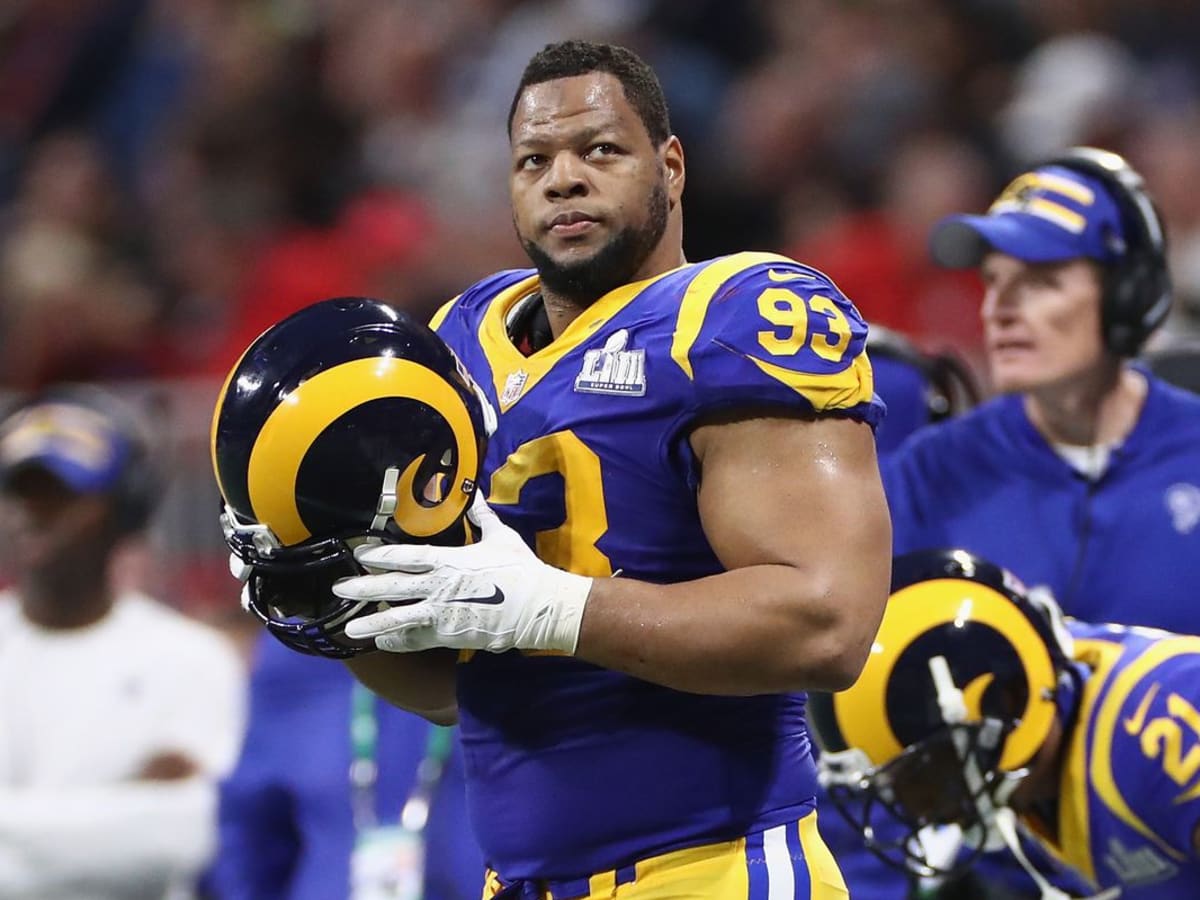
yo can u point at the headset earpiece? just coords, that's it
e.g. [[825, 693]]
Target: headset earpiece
[[137, 488], [137, 493], [1137, 288]]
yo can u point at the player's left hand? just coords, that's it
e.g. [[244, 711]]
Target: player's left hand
[[493, 595]]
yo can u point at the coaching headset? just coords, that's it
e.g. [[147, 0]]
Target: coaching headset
[[1137, 286], [134, 484]]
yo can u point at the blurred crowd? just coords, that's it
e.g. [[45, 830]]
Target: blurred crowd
[[175, 175]]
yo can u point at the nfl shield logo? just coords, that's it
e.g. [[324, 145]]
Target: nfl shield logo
[[513, 386]]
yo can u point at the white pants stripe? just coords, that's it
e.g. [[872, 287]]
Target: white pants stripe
[[781, 882]]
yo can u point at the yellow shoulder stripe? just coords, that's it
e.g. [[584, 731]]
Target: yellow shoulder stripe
[[839, 390], [1074, 826], [440, 316], [694, 306]]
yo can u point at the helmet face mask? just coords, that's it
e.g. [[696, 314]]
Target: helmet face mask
[[299, 608], [346, 422], [951, 779], [956, 700], [290, 589]]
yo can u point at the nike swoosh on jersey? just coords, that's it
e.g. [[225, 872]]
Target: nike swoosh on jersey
[[1133, 724], [494, 599], [787, 276]]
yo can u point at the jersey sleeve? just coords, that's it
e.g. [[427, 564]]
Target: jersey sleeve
[[760, 329], [1146, 753]]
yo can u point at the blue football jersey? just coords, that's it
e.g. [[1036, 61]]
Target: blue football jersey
[[1130, 791], [572, 768]]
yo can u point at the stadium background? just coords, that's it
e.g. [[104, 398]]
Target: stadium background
[[175, 175]]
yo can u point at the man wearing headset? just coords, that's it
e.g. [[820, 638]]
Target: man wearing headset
[[118, 714], [1083, 475]]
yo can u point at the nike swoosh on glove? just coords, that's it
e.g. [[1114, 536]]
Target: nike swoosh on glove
[[494, 595]]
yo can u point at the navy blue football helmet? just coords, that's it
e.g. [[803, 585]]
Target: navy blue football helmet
[[956, 699], [346, 422]]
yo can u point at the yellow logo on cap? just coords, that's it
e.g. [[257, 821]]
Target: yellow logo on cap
[[81, 436], [1027, 193]]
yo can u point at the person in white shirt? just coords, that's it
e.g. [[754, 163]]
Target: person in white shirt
[[118, 714]]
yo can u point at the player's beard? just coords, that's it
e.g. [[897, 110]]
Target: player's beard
[[616, 263]]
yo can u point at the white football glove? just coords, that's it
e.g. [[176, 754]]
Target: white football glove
[[493, 595]]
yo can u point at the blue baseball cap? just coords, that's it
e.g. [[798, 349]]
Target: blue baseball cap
[[80, 445], [1050, 214]]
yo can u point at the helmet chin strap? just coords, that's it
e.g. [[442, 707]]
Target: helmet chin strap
[[1005, 821], [386, 507]]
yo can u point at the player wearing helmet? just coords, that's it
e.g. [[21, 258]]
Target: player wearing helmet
[[980, 701], [644, 731]]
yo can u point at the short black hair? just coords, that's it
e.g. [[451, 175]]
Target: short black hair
[[567, 59]]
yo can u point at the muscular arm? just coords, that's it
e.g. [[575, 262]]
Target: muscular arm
[[795, 511], [422, 683]]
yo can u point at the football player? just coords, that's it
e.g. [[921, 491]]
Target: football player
[[684, 528], [983, 713]]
